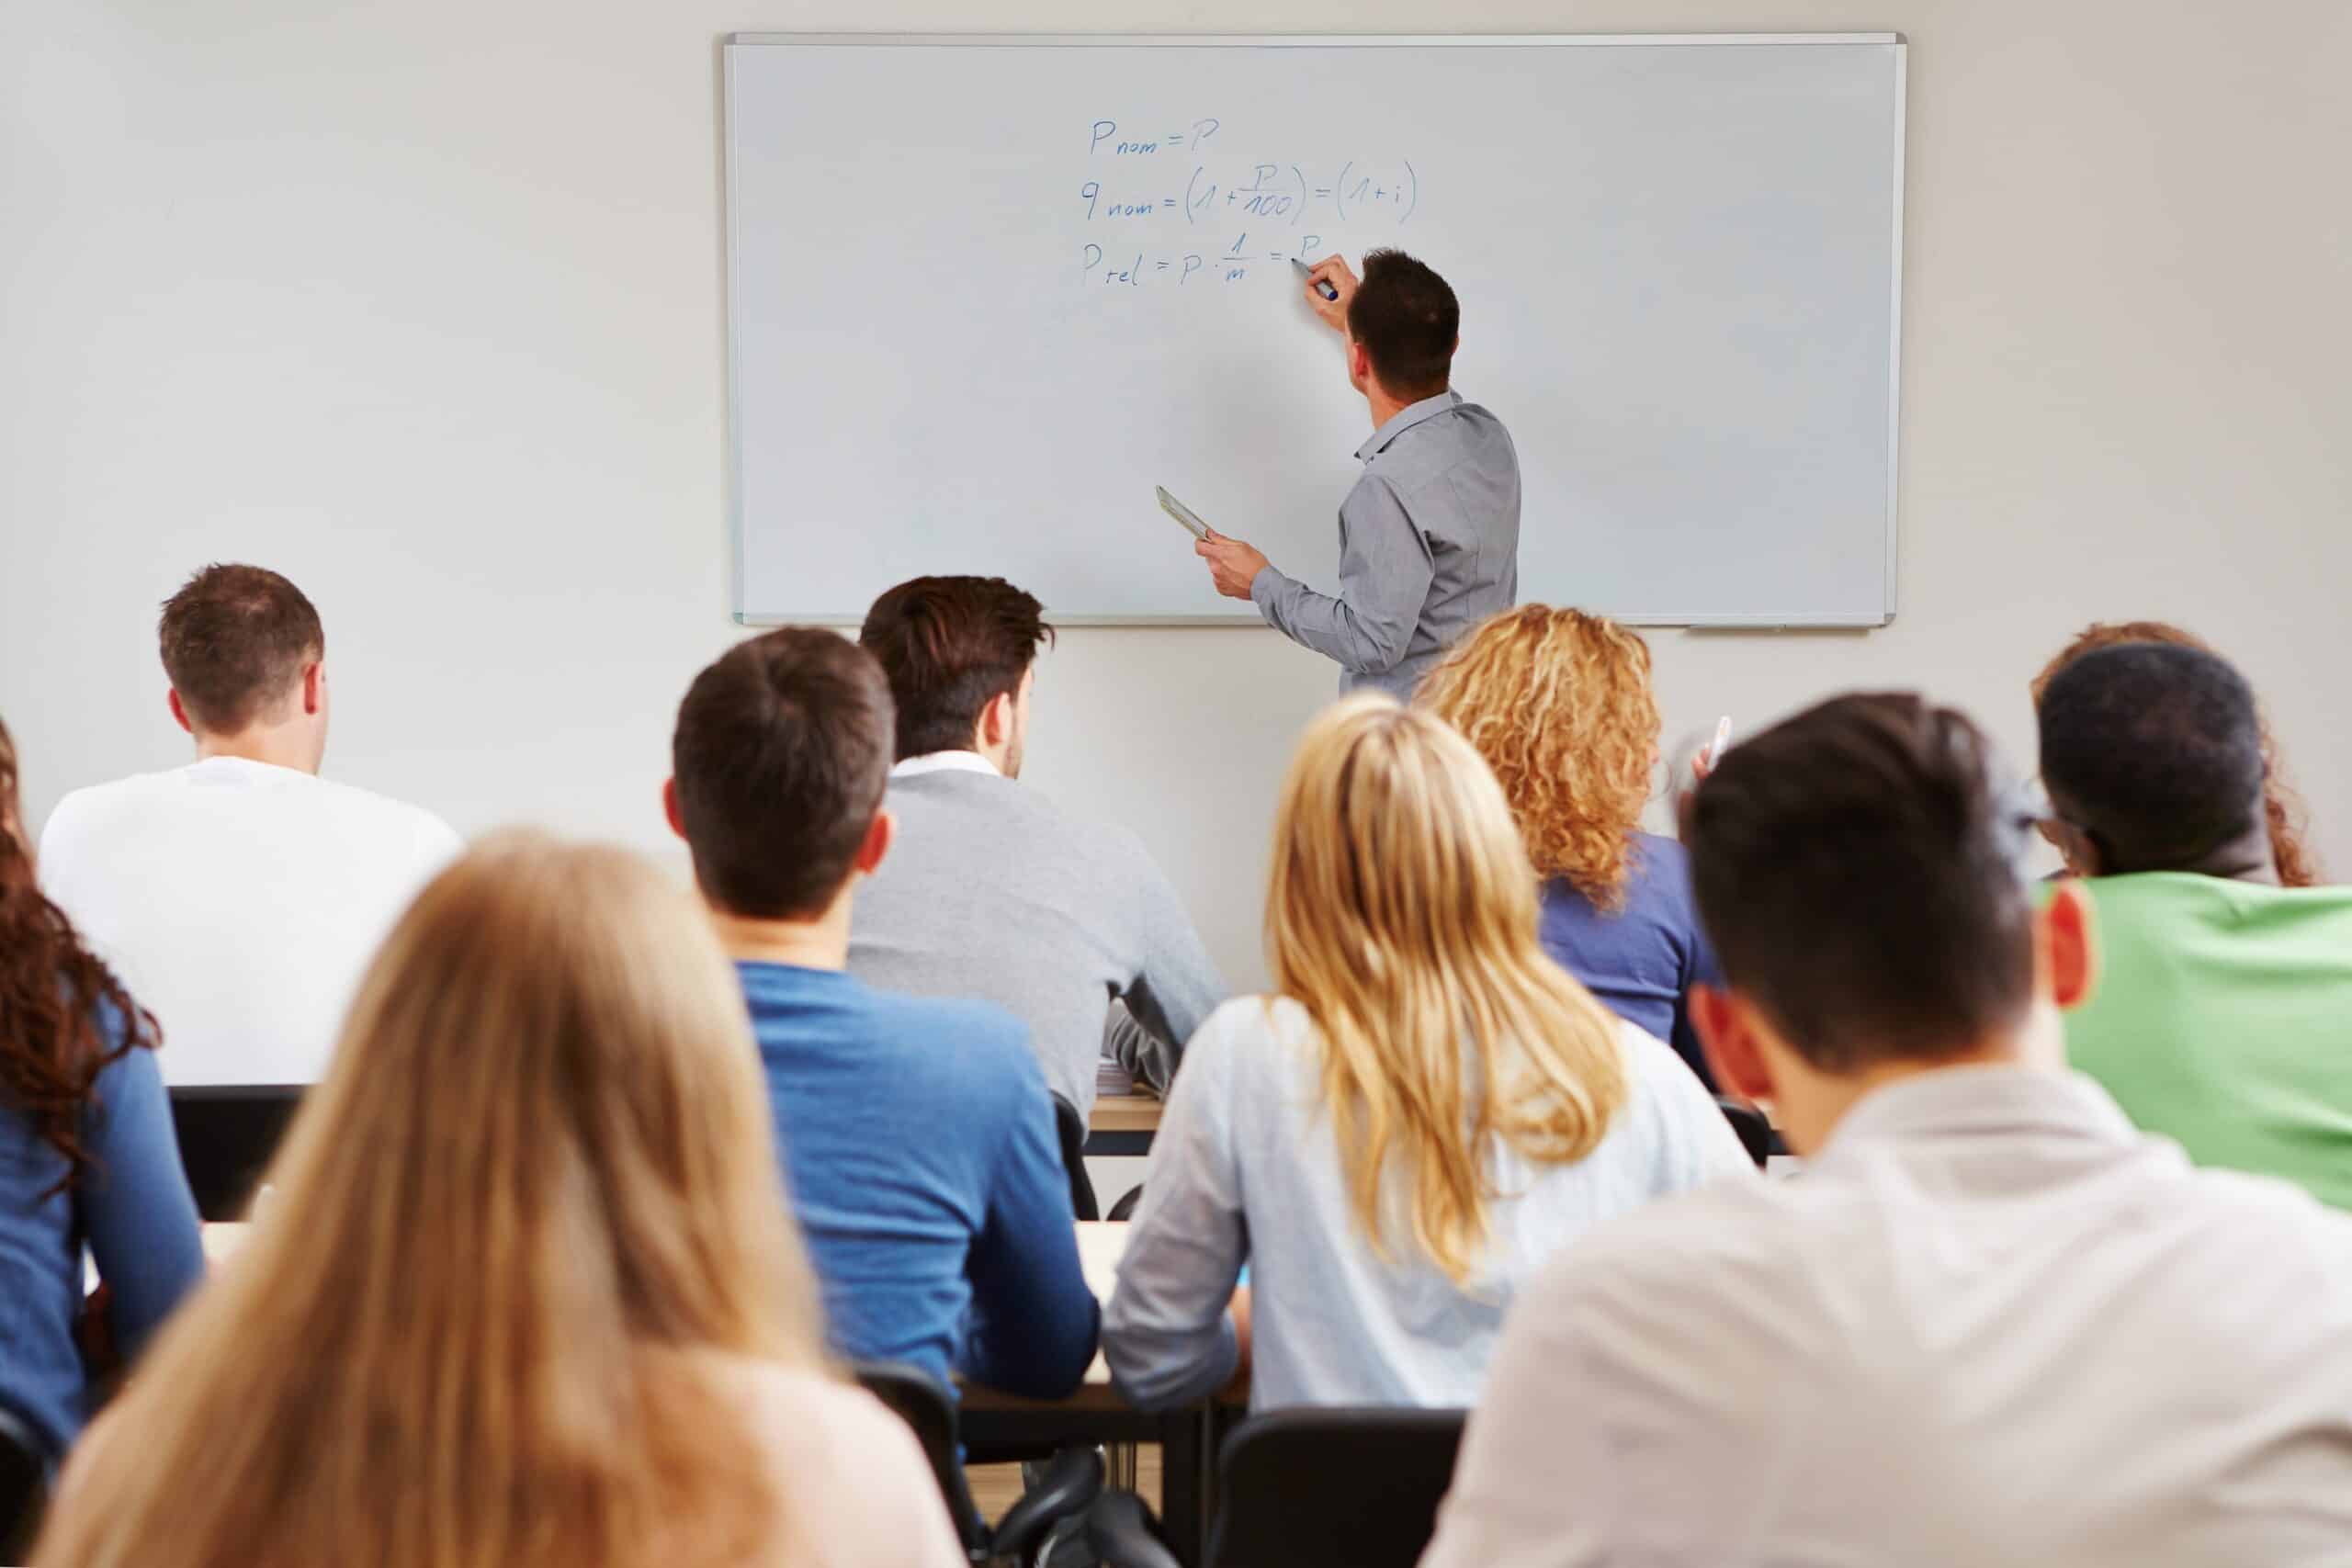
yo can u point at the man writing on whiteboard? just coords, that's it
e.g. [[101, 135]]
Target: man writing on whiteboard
[[1428, 537]]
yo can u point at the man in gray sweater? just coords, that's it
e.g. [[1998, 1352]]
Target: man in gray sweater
[[990, 890]]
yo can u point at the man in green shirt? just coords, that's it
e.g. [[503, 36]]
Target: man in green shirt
[[2222, 1018]]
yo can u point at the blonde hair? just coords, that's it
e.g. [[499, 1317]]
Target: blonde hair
[[1401, 915], [536, 1190], [1559, 703]]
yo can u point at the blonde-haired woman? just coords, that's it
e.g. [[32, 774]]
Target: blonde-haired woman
[[525, 1292], [1559, 703], [1427, 1110]]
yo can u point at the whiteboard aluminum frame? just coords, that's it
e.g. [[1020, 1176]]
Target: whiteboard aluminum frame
[[1340, 40]]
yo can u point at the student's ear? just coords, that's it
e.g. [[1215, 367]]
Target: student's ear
[[2079, 849], [314, 687], [180, 713], [677, 818], [1726, 1029], [996, 720], [2066, 946], [877, 847]]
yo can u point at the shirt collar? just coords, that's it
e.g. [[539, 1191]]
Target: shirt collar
[[944, 762], [1403, 419], [1977, 1100]]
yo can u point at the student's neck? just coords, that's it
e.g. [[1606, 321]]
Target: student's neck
[[278, 746], [818, 943], [1809, 1112], [2245, 859]]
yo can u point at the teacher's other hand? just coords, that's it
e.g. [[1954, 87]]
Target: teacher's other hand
[[1232, 564]]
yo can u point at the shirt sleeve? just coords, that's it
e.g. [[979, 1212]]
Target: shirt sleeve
[[136, 1207], [1168, 1335], [1384, 576], [1176, 985], [1033, 1321]]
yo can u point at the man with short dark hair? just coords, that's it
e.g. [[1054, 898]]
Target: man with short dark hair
[[242, 898], [994, 892], [2224, 1019], [917, 1138], [1992, 1324], [1428, 537]]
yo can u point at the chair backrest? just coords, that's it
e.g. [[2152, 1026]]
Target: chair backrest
[[1071, 1126], [1333, 1488], [916, 1398], [1753, 1128], [27, 1470], [227, 1135]]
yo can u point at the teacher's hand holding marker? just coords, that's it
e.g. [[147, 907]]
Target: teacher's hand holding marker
[[1429, 536]]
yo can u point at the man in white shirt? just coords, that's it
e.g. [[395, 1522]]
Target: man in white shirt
[[1990, 1323], [241, 897]]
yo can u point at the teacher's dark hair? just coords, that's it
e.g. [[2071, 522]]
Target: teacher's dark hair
[[1860, 871], [950, 646], [780, 756], [1408, 321]]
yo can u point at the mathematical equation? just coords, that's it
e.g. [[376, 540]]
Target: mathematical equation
[[1155, 182]]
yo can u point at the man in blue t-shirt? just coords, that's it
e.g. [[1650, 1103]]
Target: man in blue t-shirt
[[917, 1135]]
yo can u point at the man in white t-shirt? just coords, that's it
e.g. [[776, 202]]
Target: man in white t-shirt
[[241, 897]]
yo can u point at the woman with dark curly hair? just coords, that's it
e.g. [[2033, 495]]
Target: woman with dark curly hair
[[87, 1157], [1559, 703]]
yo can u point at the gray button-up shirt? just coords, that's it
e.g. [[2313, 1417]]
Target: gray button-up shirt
[[1429, 548]]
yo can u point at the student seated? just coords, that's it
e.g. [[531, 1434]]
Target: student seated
[[241, 897], [87, 1157], [1559, 703], [1992, 1324], [1427, 1110], [526, 1294], [2282, 804], [2225, 1017], [994, 891], [917, 1134]]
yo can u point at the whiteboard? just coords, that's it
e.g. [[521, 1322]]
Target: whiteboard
[[985, 292]]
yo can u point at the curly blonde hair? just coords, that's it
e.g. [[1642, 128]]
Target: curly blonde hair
[[1559, 703]]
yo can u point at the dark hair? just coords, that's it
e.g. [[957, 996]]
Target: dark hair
[[781, 753], [1408, 320], [1861, 870], [53, 994], [2154, 752], [950, 646], [234, 640]]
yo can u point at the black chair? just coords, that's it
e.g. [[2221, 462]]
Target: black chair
[[1070, 1482], [27, 1470], [1071, 1126], [1753, 1127], [227, 1134], [1310, 1488]]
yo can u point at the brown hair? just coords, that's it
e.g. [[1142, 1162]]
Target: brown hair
[[57, 1002], [2282, 804], [781, 754], [1402, 916], [234, 641], [524, 1235], [1859, 870], [951, 646], [1407, 319], [1559, 703]]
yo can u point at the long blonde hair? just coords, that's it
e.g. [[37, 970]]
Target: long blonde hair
[[1401, 915], [1558, 702], [472, 1325]]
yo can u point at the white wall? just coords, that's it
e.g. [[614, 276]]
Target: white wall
[[421, 305]]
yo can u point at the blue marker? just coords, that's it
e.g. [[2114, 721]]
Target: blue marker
[[1322, 285]]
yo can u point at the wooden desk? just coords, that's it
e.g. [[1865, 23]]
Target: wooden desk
[[1123, 1125]]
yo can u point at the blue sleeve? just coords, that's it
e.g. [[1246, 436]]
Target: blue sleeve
[[1033, 1321], [1384, 576], [135, 1205], [1699, 969]]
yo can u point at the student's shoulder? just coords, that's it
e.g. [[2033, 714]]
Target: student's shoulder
[[389, 817], [92, 807], [852, 1469], [973, 1036]]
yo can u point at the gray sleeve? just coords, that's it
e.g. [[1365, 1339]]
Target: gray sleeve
[[1384, 574], [1175, 987]]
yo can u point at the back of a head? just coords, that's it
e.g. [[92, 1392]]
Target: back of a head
[[1559, 703], [1860, 868], [1407, 319], [234, 641], [781, 753], [950, 646], [2154, 752], [538, 1179], [1401, 915]]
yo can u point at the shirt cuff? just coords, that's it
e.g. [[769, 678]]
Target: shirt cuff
[[1266, 585]]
